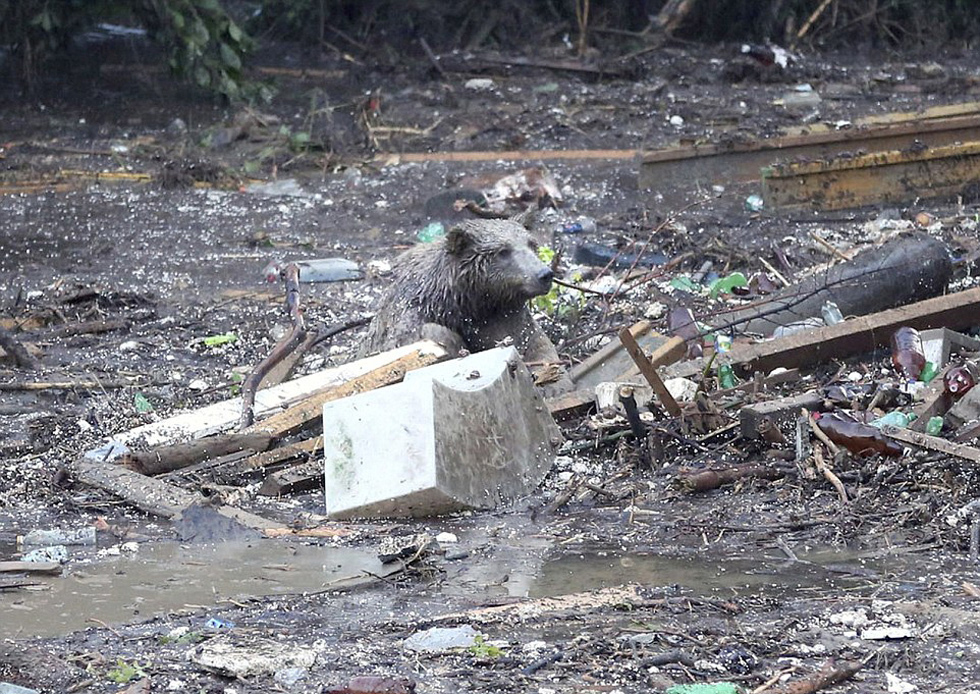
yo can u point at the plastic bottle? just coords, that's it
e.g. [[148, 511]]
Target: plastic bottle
[[907, 354], [860, 439], [960, 379], [580, 225]]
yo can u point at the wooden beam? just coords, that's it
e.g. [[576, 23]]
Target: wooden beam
[[742, 161], [853, 336], [933, 443], [882, 177]]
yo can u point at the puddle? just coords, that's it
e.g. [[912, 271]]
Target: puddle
[[164, 577], [721, 578]]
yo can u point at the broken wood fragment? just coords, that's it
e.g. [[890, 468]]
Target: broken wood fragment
[[16, 350], [151, 494], [168, 458], [298, 478], [308, 412], [828, 675], [706, 480], [283, 348], [933, 443], [853, 336], [649, 372]]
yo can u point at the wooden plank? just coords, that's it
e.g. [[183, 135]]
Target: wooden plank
[[298, 478], [224, 415], [310, 410], [933, 443], [882, 177], [649, 372], [853, 336], [31, 567], [741, 161]]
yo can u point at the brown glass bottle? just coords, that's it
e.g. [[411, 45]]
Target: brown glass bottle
[[860, 439], [959, 379], [907, 354]]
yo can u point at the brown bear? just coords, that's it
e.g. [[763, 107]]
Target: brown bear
[[468, 290]]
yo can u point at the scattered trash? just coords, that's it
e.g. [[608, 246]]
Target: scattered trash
[[219, 340], [480, 84], [754, 203], [374, 684], [598, 255], [259, 656], [430, 232], [907, 354], [284, 187], [581, 225], [319, 270], [8, 688], [860, 439]]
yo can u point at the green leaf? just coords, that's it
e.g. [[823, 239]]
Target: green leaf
[[142, 404], [234, 32], [230, 57], [223, 339], [202, 76]]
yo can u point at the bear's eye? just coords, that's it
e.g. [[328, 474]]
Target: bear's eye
[[504, 253], [533, 245]]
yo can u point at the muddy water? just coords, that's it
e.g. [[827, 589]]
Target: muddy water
[[167, 577], [162, 578]]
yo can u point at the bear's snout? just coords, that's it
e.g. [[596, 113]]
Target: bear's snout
[[545, 276]]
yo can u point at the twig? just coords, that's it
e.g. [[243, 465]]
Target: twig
[[829, 474], [433, 58], [829, 247], [280, 351], [829, 674], [812, 18], [818, 432]]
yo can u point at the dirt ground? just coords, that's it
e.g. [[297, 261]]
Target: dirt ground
[[745, 584]]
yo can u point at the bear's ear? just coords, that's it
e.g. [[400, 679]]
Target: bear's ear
[[458, 239], [525, 218]]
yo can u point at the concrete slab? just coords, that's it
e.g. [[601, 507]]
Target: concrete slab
[[468, 433]]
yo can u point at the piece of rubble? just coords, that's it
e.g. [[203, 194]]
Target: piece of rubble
[[469, 433], [256, 657]]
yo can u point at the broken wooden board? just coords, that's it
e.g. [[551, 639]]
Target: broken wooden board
[[881, 177], [31, 567], [152, 494], [224, 415], [711, 163], [853, 336], [932, 443]]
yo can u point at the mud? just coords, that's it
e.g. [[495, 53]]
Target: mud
[[737, 585]]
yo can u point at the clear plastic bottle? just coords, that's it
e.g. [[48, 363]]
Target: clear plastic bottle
[[907, 354]]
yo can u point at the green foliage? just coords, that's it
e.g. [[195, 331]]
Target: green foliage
[[124, 673], [204, 45], [203, 42], [482, 649]]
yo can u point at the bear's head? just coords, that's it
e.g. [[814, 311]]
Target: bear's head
[[497, 259]]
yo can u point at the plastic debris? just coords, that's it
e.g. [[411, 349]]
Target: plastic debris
[[430, 232], [46, 538], [907, 354], [439, 639], [580, 225], [54, 553], [317, 270]]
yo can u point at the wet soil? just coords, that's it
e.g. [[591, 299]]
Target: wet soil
[[743, 584]]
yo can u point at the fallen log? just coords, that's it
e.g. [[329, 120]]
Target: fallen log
[[168, 458], [153, 495], [903, 270]]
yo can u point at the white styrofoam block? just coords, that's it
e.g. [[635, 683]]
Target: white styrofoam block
[[468, 433]]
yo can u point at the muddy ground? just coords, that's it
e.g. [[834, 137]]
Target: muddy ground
[[741, 585]]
